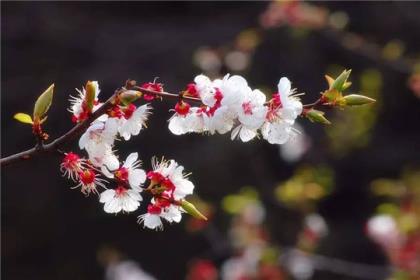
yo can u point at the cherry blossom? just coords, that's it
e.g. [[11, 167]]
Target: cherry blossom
[[89, 181], [193, 121], [159, 209], [129, 172], [120, 199], [134, 122], [98, 140], [72, 165], [251, 115], [168, 185], [285, 107]]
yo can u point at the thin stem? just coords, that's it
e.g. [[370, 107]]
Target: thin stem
[[167, 94], [68, 136], [312, 105]]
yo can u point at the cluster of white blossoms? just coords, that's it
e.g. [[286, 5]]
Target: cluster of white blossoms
[[223, 105], [168, 185], [229, 104]]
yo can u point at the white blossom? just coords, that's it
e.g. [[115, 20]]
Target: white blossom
[[129, 172], [133, 125], [192, 122], [120, 199], [278, 127], [251, 115]]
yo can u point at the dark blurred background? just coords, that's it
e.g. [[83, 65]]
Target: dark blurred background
[[52, 232]]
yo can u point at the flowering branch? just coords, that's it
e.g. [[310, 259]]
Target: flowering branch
[[225, 105], [80, 128]]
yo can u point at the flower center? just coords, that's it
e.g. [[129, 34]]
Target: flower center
[[87, 176], [115, 112], [122, 174], [276, 100], [154, 209], [71, 161], [120, 191], [129, 110], [247, 107]]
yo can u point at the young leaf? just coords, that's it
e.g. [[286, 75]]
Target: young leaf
[[341, 80], [23, 118], [43, 102], [330, 81]]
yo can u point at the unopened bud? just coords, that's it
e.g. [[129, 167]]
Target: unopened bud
[[129, 96], [92, 89], [182, 108], [357, 99], [316, 116], [190, 209]]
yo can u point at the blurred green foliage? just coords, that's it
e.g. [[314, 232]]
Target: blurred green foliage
[[308, 185]]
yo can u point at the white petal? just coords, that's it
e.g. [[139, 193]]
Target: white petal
[[247, 134], [176, 125], [130, 160], [129, 204], [113, 206], [258, 97], [152, 221], [284, 87], [102, 118], [106, 172], [172, 214], [136, 177], [111, 162], [106, 196], [235, 132], [83, 140], [134, 195], [183, 188]]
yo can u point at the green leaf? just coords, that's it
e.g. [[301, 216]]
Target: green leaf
[[190, 209], [340, 82], [330, 81], [23, 118], [43, 102]]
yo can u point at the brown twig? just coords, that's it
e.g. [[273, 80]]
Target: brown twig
[[54, 146], [167, 94], [68, 136], [312, 105]]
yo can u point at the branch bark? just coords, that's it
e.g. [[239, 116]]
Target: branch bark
[[80, 128]]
